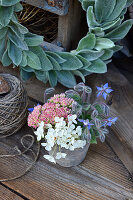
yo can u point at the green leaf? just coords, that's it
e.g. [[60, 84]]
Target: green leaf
[[91, 21], [103, 43], [24, 59], [119, 6], [88, 42], [54, 55], [55, 64], [42, 76], [28, 69], [84, 61], [5, 15], [46, 65], [90, 55], [78, 73], [33, 60], [87, 3], [25, 75], [6, 61], [15, 29], [20, 27], [2, 47], [93, 140], [18, 7], [85, 72], [103, 8], [108, 53], [15, 54], [17, 41], [129, 2], [97, 66], [52, 78], [66, 78], [99, 32], [120, 32], [3, 32], [72, 62], [8, 2], [33, 39], [117, 48]]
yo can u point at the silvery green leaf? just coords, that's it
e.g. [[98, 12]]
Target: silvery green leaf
[[27, 69], [33, 39], [78, 73], [42, 75], [18, 7], [103, 9], [72, 62], [15, 53], [20, 27], [129, 2], [98, 66], [24, 59], [33, 60], [103, 43], [17, 41], [55, 64], [64, 76], [52, 78], [5, 15], [46, 65], [87, 42], [2, 47], [25, 75], [84, 61], [85, 72], [108, 53], [6, 61], [119, 6], [91, 21], [16, 31], [117, 48], [90, 55], [120, 32], [87, 3], [98, 31], [54, 55], [8, 3], [3, 32]]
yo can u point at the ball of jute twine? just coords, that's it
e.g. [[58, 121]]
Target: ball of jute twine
[[13, 107]]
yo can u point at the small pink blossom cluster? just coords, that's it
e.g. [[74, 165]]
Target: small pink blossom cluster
[[62, 100], [58, 106]]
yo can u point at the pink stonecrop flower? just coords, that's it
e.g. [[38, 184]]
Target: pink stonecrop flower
[[57, 106]]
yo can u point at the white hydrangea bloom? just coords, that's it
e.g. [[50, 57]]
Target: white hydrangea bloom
[[50, 158], [40, 131], [60, 155], [64, 136]]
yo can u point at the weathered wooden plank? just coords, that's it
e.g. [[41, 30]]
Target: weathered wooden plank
[[95, 178], [69, 26], [122, 106], [6, 194], [59, 7]]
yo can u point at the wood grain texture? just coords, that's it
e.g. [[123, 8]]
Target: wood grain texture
[[101, 176], [6, 194], [69, 26]]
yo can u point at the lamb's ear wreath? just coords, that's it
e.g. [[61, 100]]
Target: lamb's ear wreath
[[94, 51]]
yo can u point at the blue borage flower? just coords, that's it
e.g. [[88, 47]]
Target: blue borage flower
[[104, 91], [110, 121], [31, 109], [86, 123]]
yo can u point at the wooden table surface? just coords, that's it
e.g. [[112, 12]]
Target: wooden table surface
[[102, 175]]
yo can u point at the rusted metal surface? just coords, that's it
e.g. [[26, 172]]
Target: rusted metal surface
[[59, 7]]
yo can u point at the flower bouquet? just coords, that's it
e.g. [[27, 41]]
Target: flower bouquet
[[68, 123]]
